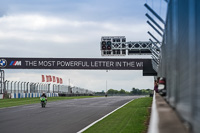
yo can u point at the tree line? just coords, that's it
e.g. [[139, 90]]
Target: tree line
[[134, 91]]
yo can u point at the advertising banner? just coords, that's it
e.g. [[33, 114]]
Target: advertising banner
[[73, 63]]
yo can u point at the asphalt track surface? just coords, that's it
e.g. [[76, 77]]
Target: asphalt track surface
[[66, 116]]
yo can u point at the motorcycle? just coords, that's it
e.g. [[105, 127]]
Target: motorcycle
[[43, 102]]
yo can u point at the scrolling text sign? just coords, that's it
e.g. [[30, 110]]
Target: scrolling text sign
[[72, 63]]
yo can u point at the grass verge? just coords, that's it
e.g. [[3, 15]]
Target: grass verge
[[131, 118], [23, 101]]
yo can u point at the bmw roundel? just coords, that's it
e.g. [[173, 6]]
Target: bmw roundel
[[3, 63]]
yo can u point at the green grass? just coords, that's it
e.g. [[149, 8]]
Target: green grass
[[131, 118], [23, 101]]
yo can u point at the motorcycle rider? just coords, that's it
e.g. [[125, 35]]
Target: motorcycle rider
[[44, 95]]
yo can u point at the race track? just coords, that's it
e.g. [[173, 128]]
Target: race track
[[66, 116]]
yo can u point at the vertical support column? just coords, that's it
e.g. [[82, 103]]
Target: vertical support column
[[11, 87], [49, 85], [2, 78], [37, 84], [39, 87], [8, 88], [25, 87], [27, 90], [15, 87], [5, 86], [35, 87], [18, 87], [21, 86], [46, 88], [42, 87]]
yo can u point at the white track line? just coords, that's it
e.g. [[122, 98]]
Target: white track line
[[153, 127], [103, 117]]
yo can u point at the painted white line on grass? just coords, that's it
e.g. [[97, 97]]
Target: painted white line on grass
[[103, 117]]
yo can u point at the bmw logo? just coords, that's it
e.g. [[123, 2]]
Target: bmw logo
[[3, 63]]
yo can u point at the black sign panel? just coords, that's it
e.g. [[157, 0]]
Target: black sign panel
[[73, 63], [148, 69]]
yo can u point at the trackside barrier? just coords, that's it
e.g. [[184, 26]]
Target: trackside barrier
[[28, 95], [1, 96], [179, 60]]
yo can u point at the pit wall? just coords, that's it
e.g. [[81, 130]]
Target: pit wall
[[180, 60]]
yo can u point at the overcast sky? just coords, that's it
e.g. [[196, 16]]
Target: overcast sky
[[73, 29]]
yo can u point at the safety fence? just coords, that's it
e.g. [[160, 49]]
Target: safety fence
[[19, 89], [25, 95], [25, 87], [180, 62]]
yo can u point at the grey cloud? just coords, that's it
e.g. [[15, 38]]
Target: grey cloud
[[76, 33]]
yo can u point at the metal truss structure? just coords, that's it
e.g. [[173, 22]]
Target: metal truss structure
[[117, 46], [156, 53], [127, 48]]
